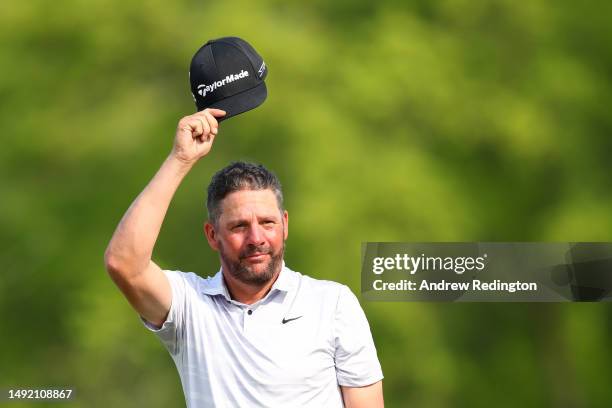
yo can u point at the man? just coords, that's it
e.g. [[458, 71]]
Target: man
[[257, 333]]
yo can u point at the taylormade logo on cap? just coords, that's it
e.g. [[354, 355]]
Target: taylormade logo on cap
[[204, 89]]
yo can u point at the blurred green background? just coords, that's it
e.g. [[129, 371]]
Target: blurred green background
[[452, 120]]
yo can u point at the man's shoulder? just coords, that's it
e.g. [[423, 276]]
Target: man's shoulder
[[190, 280], [322, 287], [322, 284]]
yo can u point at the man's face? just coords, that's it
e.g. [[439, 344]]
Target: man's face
[[250, 235]]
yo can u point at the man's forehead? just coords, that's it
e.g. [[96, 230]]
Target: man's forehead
[[245, 202]]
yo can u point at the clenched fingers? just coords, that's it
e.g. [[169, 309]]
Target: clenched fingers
[[205, 128], [211, 121]]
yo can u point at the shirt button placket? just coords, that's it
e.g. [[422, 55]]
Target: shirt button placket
[[247, 320]]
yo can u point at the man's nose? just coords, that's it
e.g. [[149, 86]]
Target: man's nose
[[256, 236]]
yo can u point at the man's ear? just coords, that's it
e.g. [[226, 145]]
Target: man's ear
[[211, 235], [286, 223]]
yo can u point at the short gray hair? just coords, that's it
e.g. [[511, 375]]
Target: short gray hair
[[239, 176]]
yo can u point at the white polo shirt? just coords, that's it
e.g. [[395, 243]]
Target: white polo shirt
[[293, 348]]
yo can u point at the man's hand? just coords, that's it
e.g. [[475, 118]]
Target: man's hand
[[195, 135]]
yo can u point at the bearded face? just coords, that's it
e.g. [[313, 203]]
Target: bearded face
[[256, 265], [250, 236]]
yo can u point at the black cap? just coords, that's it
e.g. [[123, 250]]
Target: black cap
[[227, 73]]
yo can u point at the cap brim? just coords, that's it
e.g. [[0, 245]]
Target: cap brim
[[242, 102]]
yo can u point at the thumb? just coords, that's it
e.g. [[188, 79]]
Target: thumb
[[217, 113]]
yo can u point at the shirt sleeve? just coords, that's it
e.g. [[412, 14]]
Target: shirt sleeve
[[357, 364], [171, 333]]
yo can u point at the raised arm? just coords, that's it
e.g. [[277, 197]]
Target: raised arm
[[128, 255]]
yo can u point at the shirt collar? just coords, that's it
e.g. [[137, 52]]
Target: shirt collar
[[286, 281], [215, 285]]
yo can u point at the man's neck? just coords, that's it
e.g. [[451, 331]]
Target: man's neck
[[247, 293]]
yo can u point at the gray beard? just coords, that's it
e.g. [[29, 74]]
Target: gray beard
[[245, 274]]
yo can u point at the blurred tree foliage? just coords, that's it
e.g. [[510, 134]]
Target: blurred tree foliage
[[453, 120]]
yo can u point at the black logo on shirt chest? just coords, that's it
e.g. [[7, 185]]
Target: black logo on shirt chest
[[291, 319]]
